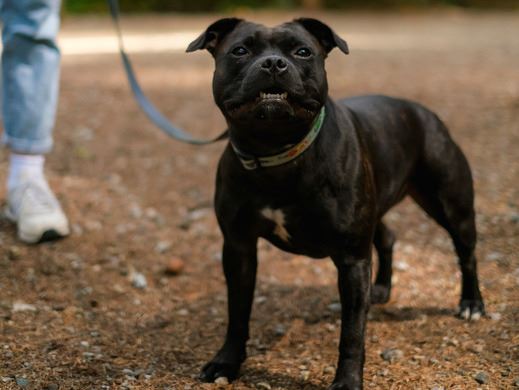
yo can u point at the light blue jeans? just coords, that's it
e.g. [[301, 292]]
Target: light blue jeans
[[30, 73]]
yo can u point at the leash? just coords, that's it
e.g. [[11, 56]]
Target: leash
[[145, 104]]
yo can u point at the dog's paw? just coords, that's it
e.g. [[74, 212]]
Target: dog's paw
[[471, 309], [380, 294], [214, 370], [340, 385]]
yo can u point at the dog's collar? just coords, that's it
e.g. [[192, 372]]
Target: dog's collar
[[251, 162]]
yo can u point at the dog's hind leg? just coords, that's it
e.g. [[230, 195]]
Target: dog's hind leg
[[464, 238], [443, 187], [384, 240]]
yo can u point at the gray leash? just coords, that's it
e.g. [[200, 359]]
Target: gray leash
[[146, 105]]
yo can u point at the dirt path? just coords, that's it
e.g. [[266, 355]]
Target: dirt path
[[137, 200]]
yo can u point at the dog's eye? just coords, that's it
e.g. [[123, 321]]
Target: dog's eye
[[239, 51], [303, 52]]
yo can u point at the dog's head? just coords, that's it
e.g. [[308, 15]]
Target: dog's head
[[267, 76]]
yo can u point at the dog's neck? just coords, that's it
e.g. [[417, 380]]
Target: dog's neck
[[275, 144], [291, 152]]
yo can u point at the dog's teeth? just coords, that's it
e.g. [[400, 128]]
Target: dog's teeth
[[264, 95]]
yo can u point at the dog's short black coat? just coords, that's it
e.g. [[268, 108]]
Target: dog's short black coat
[[372, 151]]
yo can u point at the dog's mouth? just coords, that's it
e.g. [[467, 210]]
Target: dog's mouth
[[269, 96], [272, 95], [273, 103]]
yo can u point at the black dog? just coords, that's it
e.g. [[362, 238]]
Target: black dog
[[315, 177]]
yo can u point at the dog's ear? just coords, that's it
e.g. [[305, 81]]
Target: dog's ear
[[324, 34], [213, 35]]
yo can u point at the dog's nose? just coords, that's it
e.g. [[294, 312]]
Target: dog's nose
[[274, 64]]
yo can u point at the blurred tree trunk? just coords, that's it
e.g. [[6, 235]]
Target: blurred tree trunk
[[313, 4]]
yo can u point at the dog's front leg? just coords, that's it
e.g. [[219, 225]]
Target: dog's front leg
[[354, 288], [239, 265]]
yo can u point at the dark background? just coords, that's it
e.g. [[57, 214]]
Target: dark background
[[81, 6]]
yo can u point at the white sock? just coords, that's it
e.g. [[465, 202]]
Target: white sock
[[24, 166]]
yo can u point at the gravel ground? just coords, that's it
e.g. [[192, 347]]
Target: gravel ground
[[110, 308]]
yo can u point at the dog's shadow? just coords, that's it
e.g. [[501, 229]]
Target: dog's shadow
[[381, 313], [321, 305], [278, 380], [276, 307]]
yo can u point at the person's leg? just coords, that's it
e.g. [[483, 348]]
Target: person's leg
[[30, 70]]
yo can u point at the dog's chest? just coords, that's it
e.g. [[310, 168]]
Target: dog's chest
[[277, 216], [305, 230]]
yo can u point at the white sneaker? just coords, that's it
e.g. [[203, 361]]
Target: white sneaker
[[36, 211]]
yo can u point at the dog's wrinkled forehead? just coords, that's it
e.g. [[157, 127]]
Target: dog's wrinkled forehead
[[284, 36]]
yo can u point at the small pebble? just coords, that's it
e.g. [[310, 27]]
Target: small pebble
[[493, 256], [383, 372], [506, 372], [138, 280], [175, 266], [162, 246], [514, 217], [93, 225], [151, 213], [476, 348], [329, 370], [335, 307], [51, 386], [14, 253], [453, 342], [136, 211], [84, 133], [437, 388], [222, 380], [330, 327], [402, 266], [264, 386], [198, 214], [131, 373], [305, 375], [481, 378], [22, 382], [495, 316], [77, 230], [21, 307], [279, 330], [392, 355]]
